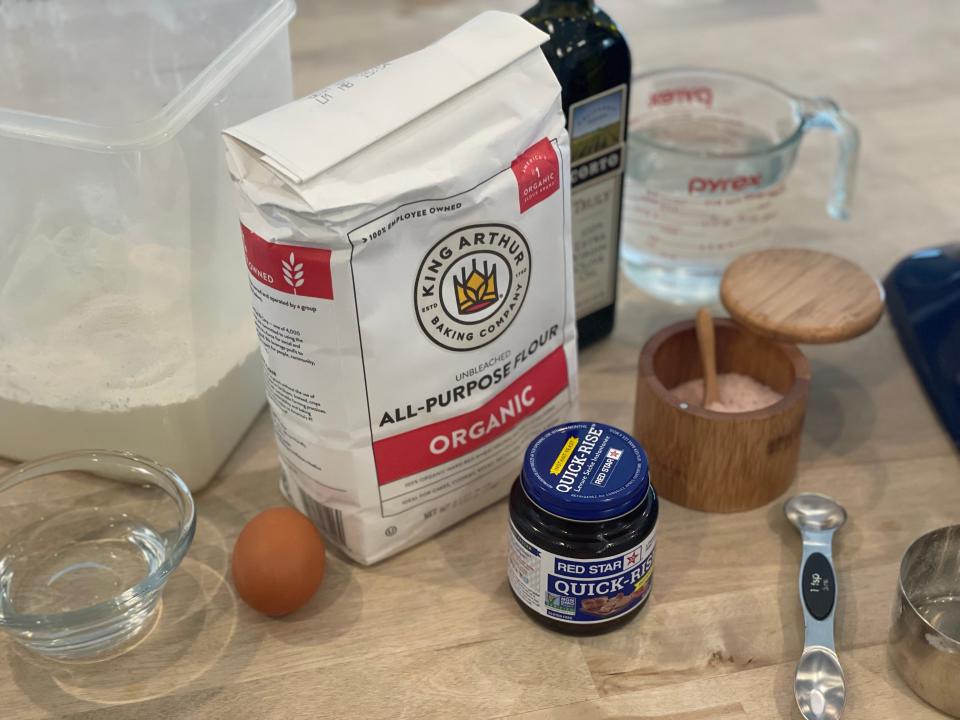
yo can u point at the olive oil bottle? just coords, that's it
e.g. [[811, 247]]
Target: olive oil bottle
[[592, 62]]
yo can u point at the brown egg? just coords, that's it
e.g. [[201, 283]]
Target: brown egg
[[278, 561]]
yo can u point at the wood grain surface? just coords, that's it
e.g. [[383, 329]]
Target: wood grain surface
[[433, 632], [717, 461], [800, 295]]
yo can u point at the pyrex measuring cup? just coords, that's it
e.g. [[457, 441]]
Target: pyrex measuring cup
[[708, 154]]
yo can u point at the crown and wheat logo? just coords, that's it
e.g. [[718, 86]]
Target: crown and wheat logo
[[477, 290], [471, 285]]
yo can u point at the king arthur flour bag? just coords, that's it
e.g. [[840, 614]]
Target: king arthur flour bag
[[407, 234]]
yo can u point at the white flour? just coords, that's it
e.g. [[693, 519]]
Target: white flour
[[112, 325], [107, 342]]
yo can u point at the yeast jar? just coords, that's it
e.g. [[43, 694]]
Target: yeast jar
[[583, 519]]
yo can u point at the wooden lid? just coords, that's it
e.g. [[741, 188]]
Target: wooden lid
[[801, 296]]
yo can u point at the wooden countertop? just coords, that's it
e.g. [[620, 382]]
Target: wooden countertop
[[433, 632]]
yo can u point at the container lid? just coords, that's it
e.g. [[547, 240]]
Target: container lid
[[119, 74], [801, 296], [585, 471]]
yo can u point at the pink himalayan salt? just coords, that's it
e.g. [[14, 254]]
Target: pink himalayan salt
[[738, 393]]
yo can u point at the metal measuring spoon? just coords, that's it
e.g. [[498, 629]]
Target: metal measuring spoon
[[818, 687]]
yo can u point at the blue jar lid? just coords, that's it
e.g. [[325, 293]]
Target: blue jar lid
[[585, 471]]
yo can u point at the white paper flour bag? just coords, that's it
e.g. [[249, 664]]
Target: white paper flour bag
[[407, 234]]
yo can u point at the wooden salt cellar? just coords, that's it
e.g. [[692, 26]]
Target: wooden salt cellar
[[729, 462]]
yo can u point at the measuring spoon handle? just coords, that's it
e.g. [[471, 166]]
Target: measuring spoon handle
[[818, 589]]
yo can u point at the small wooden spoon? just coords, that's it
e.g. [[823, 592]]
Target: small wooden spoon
[[708, 356]]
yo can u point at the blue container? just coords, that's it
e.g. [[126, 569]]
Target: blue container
[[583, 518]]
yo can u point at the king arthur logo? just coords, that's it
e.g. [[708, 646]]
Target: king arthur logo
[[471, 285], [476, 291]]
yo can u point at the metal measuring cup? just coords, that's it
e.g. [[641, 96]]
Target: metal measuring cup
[[925, 635]]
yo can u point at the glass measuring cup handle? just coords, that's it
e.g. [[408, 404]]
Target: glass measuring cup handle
[[821, 112]]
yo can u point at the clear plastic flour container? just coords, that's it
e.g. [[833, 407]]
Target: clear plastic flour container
[[124, 315]]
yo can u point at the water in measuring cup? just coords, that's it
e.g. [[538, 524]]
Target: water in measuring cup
[[685, 216]]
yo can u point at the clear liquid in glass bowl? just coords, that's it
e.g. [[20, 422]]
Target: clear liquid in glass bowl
[[87, 541]]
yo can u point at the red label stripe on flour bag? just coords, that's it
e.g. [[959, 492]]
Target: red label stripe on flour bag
[[291, 269], [417, 450]]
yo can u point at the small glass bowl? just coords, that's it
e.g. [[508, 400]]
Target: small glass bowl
[[87, 541]]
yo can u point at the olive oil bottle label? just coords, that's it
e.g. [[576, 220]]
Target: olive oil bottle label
[[597, 135]]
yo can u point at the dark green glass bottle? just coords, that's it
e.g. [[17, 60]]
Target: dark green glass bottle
[[592, 62]]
